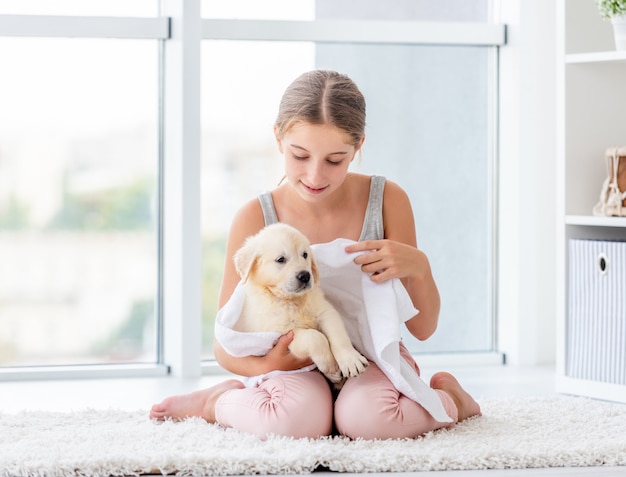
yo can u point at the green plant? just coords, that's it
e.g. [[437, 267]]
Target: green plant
[[125, 207], [611, 8], [14, 215], [213, 254]]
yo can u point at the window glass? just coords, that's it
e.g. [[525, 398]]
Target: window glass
[[239, 155], [427, 130], [78, 177], [256, 10], [398, 10], [404, 10], [80, 7]]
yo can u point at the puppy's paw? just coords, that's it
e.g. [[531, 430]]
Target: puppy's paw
[[336, 378], [329, 368], [351, 363]]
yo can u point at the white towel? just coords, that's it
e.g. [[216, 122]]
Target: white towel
[[373, 314]]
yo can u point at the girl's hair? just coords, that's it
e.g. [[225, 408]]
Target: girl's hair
[[323, 97]]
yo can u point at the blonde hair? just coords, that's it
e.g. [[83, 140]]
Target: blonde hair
[[323, 97]]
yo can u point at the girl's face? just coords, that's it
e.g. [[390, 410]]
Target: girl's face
[[317, 158]]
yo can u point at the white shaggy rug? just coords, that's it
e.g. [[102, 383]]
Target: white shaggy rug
[[512, 433]]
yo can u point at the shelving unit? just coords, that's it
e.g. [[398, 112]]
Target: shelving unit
[[591, 116], [598, 57]]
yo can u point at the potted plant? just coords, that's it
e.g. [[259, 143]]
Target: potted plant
[[615, 11]]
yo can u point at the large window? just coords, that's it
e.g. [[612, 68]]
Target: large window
[[430, 128], [131, 132], [78, 177], [239, 156]]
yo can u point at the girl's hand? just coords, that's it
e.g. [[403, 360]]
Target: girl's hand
[[279, 357], [386, 259]]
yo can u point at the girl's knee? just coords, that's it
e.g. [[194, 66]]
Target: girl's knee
[[365, 407], [306, 408], [374, 409], [386, 418], [352, 414], [298, 405]]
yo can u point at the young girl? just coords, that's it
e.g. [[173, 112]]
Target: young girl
[[319, 130]]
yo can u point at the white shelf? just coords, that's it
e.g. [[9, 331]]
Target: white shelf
[[593, 221], [591, 98], [592, 389], [597, 57]]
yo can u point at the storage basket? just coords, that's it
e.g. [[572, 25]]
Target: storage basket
[[596, 316]]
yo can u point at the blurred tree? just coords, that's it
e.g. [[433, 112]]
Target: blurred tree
[[213, 251], [14, 215], [126, 207]]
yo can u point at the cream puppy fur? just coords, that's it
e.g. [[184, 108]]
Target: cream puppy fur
[[283, 293]]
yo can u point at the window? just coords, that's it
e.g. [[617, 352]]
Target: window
[[103, 202], [79, 7], [78, 201], [255, 10], [430, 129], [239, 156]]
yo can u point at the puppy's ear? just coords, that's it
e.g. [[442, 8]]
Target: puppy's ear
[[314, 270], [244, 259]]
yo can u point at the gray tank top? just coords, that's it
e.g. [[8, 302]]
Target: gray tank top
[[372, 224]]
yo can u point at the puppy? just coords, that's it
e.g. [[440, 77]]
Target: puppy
[[283, 293]]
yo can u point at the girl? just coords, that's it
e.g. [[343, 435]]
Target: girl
[[319, 130]]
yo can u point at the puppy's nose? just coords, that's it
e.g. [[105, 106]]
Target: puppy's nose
[[303, 277]]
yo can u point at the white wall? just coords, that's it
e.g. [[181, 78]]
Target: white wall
[[526, 295]]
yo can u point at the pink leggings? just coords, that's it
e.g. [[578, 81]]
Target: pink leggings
[[301, 405]]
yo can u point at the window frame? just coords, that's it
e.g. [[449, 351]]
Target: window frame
[[180, 31], [84, 27]]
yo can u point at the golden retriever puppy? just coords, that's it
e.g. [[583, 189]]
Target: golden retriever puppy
[[283, 293]]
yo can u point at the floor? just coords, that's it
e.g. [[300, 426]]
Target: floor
[[140, 393]]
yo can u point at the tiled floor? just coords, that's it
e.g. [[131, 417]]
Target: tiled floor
[[141, 393]]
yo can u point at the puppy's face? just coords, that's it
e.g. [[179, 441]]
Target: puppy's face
[[278, 259]]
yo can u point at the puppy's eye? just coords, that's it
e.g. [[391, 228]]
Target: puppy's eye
[[281, 260], [305, 255]]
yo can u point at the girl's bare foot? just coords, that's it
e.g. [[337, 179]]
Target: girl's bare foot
[[196, 404], [465, 403]]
